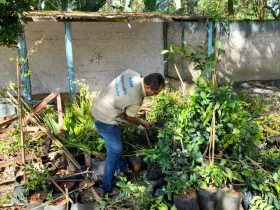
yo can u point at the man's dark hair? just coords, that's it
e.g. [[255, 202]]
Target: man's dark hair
[[155, 81]]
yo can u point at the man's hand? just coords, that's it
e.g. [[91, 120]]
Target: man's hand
[[138, 121], [146, 124]]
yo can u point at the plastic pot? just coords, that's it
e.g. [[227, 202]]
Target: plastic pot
[[246, 199], [97, 166], [87, 206], [228, 200], [207, 198], [186, 201], [135, 164], [6, 108], [154, 173], [34, 205], [60, 204], [18, 192], [37, 199], [86, 201]]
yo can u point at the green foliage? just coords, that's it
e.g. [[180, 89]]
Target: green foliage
[[50, 118], [212, 175], [80, 131], [256, 105], [123, 6], [84, 5], [11, 20], [37, 177], [160, 204], [212, 8], [162, 6], [185, 136], [150, 5], [197, 55], [136, 196], [236, 127], [270, 123], [129, 132], [253, 9], [79, 126], [12, 145], [166, 105], [271, 158], [242, 9], [177, 182], [261, 181], [257, 203]]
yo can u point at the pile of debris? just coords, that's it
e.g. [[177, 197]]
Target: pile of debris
[[29, 147]]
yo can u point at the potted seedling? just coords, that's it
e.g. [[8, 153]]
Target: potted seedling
[[210, 178], [179, 188]]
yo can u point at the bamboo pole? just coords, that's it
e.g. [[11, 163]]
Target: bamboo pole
[[36, 119], [67, 198], [20, 110], [181, 80]]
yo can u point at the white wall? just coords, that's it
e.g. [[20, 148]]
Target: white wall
[[194, 34], [101, 51], [251, 49]]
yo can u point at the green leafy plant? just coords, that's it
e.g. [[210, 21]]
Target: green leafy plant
[[79, 127], [84, 5], [212, 8], [160, 204], [177, 183], [270, 123], [133, 195], [197, 55], [166, 105], [213, 175], [12, 144], [260, 181], [257, 203], [37, 177]]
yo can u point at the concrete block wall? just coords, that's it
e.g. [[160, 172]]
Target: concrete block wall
[[251, 50], [101, 51], [194, 34]]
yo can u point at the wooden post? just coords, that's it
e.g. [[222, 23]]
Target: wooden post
[[20, 119]]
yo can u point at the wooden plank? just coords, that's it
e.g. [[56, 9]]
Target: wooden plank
[[16, 161], [36, 109], [59, 113]]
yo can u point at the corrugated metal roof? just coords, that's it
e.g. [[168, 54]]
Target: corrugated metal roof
[[107, 17]]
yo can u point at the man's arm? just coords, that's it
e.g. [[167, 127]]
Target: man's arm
[[138, 121], [130, 115]]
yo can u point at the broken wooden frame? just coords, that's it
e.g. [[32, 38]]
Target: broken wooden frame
[[33, 116]]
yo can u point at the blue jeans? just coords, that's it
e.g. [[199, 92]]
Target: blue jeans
[[113, 143]]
